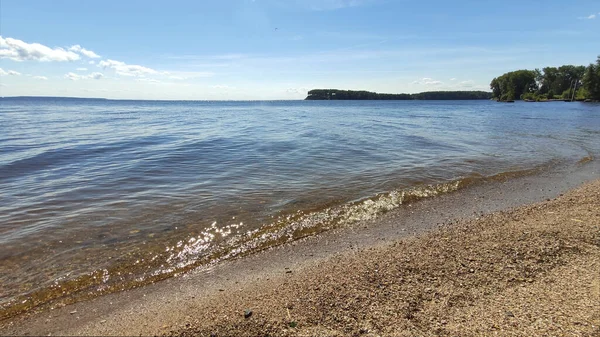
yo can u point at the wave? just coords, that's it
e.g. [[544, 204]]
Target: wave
[[216, 244], [58, 158]]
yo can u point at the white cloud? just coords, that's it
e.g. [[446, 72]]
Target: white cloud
[[92, 62], [73, 76], [453, 79], [589, 17], [95, 75], [179, 78], [76, 77], [428, 81], [124, 69], [18, 50], [43, 78], [81, 69], [79, 49], [302, 91], [466, 84], [9, 72]]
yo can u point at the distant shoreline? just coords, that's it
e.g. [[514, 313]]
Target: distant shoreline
[[361, 95]]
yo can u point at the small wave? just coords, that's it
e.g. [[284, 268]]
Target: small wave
[[59, 158], [204, 250], [585, 160]]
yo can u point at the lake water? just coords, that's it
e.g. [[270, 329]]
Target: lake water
[[101, 195]]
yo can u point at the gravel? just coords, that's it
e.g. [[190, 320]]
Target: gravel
[[531, 270]]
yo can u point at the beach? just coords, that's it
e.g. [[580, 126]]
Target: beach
[[529, 271], [299, 168], [514, 257]]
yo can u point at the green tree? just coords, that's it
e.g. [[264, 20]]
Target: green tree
[[550, 74], [514, 85], [495, 86], [591, 80], [582, 94], [555, 81]]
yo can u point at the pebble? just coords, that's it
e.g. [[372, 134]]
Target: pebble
[[247, 313]]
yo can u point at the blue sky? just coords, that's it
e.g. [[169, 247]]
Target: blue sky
[[278, 49]]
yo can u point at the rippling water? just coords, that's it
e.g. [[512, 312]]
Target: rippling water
[[101, 195]]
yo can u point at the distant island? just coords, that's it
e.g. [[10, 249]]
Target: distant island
[[335, 94]]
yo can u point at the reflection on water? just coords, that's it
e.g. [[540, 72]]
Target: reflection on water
[[97, 195]]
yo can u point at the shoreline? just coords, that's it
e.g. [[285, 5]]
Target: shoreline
[[531, 270], [167, 306]]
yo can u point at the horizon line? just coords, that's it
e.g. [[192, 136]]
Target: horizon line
[[220, 100]]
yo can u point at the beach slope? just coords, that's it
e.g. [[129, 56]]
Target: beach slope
[[532, 270], [474, 263]]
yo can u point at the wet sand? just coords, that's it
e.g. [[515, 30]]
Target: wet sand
[[469, 263]]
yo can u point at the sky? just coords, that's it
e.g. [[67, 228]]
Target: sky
[[280, 49]]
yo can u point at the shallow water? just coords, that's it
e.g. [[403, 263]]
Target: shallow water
[[101, 195]]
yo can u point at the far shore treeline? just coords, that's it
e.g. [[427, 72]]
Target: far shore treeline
[[567, 82], [335, 94]]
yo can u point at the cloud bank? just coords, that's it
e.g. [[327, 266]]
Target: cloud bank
[[589, 17], [427, 81], [9, 72], [76, 77], [18, 50], [121, 68], [79, 49]]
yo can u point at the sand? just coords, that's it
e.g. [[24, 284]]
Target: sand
[[474, 263], [534, 270]]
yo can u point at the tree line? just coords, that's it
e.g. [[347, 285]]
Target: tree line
[[335, 94], [566, 82]]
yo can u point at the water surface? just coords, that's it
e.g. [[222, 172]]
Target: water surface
[[101, 195]]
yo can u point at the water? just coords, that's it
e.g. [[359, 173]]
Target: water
[[100, 195]]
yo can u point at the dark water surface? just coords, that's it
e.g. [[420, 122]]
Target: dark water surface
[[101, 195]]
